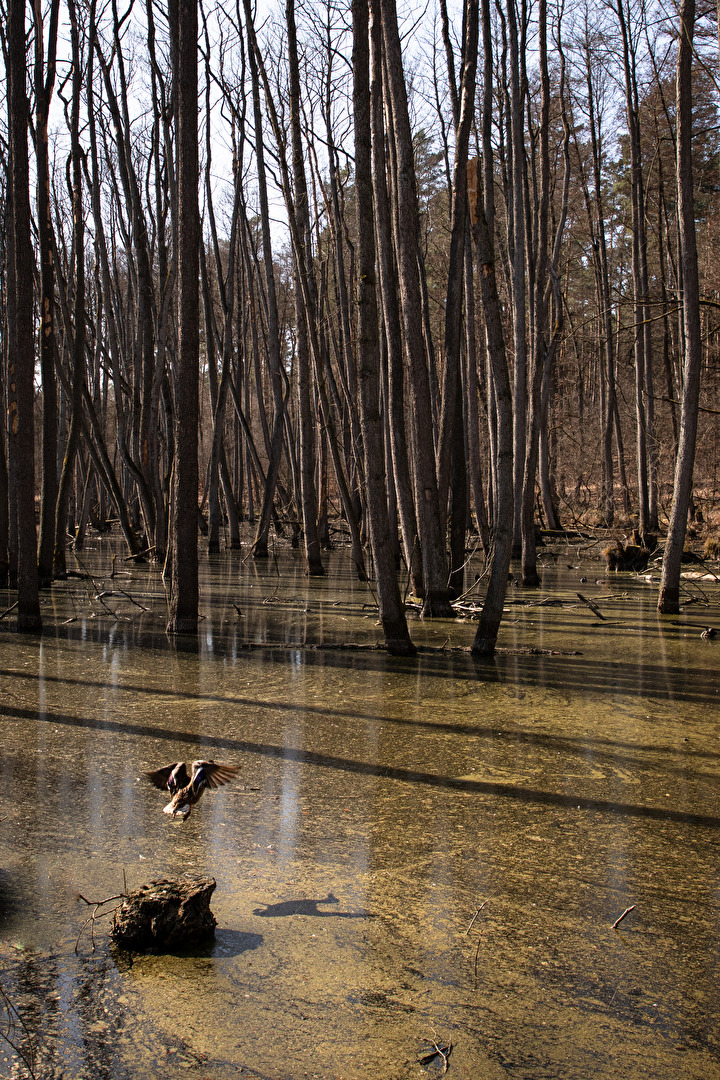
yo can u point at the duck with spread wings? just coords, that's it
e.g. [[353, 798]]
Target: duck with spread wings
[[187, 781]]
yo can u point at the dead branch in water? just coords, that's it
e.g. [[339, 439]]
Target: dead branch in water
[[438, 1049], [8, 610], [472, 921], [593, 607], [96, 905], [620, 919]]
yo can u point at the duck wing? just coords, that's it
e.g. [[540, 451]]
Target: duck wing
[[215, 773], [160, 777]]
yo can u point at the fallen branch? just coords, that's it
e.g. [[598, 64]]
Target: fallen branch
[[439, 1049], [593, 607], [8, 610], [132, 599], [620, 919], [96, 905], [472, 921], [140, 554]]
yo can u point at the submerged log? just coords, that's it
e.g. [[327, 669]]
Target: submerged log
[[166, 915]]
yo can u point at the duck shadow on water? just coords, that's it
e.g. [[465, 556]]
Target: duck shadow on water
[[306, 906]]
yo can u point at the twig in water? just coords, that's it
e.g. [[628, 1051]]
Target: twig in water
[[439, 1049], [95, 905], [8, 610], [140, 554], [472, 921], [620, 919], [462, 567], [132, 600], [593, 607]]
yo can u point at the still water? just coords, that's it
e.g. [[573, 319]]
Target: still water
[[416, 852]]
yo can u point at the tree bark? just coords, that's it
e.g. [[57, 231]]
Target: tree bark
[[392, 612], [21, 352], [647, 505], [483, 222], [387, 281], [308, 492], [184, 526], [669, 598], [260, 546], [430, 525], [44, 83]]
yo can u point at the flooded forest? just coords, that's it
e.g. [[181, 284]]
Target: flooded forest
[[360, 366]]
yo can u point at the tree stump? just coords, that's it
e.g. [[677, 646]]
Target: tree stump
[[166, 915]]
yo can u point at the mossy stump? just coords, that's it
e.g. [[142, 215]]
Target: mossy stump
[[166, 915]]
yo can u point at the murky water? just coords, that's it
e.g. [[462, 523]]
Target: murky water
[[382, 803]]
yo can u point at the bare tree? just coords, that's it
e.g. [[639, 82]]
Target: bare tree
[[392, 614], [483, 219], [669, 598], [21, 353], [44, 81], [427, 507], [184, 522]]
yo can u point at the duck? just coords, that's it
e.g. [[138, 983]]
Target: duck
[[186, 781]]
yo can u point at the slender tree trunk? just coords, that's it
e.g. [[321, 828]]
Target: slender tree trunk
[[21, 353], [391, 315], [454, 294], [517, 241], [260, 546], [44, 83], [483, 224], [308, 493], [78, 328], [184, 581], [669, 598], [540, 345], [392, 613], [647, 505], [605, 301], [430, 525], [473, 419]]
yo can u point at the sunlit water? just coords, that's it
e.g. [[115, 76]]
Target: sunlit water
[[381, 804]]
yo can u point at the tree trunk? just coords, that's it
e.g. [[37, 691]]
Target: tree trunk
[[44, 83], [21, 352], [669, 598], [517, 240], [392, 612], [260, 546], [391, 316], [308, 493], [184, 524], [430, 526], [78, 328], [647, 505], [483, 223], [451, 385]]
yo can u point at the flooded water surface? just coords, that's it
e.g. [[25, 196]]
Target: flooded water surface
[[418, 855]]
